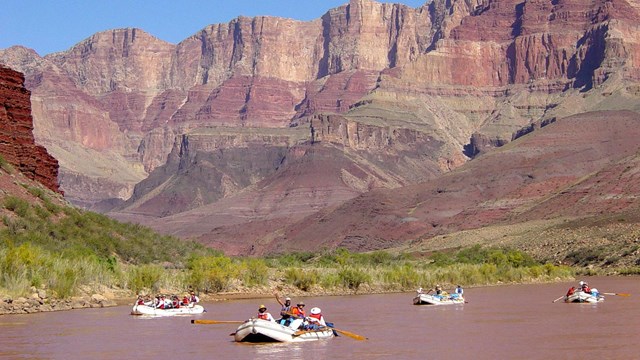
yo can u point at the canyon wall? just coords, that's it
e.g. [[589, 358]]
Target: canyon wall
[[17, 145]]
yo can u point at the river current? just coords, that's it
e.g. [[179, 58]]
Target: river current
[[498, 322]]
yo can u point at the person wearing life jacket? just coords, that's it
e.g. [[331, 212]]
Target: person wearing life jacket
[[571, 291], [194, 298], [185, 301], [264, 315], [315, 320], [175, 302], [459, 291], [140, 301], [162, 303], [298, 311], [297, 315], [586, 288], [285, 310]]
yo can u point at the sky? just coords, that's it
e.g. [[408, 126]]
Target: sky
[[49, 26]]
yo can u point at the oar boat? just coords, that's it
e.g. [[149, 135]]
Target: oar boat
[[258, 330], [584, 297], [427, 299], [142, 309]]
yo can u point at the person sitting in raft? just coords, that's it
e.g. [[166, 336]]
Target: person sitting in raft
[[185, 301], [571, 291], [315, 320], [585, 287], [285, 311], [298, 314], [175, 302], [161, 302], [194, 299], [458, 291], [264, 315], [438, 290]]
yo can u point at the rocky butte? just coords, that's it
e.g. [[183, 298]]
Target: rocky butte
[[358, 129], [17, 145]]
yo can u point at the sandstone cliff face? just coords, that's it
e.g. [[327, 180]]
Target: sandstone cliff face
[[421, 89], [17, 144]]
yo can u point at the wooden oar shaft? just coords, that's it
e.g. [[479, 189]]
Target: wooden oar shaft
[[202, 321], [350, 334], [617, 294], [558, 299]]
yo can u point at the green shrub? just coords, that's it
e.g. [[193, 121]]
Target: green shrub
[[64, 281], [211, 273], [402, 277], [254, 272], [144, 277], [19, 206], [352, 278], [302, 279], [4, 165]]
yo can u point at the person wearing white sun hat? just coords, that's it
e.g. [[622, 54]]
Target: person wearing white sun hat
[[315, 319]]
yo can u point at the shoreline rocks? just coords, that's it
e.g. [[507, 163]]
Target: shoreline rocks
[[35, 304]]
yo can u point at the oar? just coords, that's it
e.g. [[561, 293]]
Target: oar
[[350, 334], [216, 321], [618, 294], [558, 299], [343, 332]]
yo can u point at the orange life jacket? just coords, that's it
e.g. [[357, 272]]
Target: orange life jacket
[[296, 311], [263, 316], [316, 316]]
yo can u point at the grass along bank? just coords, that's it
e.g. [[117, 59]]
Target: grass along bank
[[48, 246]]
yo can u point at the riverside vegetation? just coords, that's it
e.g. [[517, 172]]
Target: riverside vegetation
[[46, 246]]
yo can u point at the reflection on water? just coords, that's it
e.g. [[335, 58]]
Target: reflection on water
[[294, 350], [502, 322]]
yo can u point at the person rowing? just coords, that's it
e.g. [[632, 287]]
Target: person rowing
[[315, 320]]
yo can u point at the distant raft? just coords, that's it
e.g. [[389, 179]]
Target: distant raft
[[259, 331], [152, 311], [427, 299], [584, 297]]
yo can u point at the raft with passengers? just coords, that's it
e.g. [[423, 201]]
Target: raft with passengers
[[163, 305], [439, 297], [293, 326], [582, 294]]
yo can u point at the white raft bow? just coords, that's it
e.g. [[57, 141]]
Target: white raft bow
[[426, 299], [183, 310], [258, 330], [584, 297]]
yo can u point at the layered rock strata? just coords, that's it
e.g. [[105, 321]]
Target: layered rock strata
[[17, 145]]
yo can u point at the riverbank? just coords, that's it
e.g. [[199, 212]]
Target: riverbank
[[39, 301]]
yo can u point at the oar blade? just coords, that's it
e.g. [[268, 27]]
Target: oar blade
[[350, 334]]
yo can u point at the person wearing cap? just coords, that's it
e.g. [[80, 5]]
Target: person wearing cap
[[285, 311], [315, 320], [264, 315], [297, 316]]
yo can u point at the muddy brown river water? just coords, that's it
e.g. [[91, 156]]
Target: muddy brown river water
[[501, 322]]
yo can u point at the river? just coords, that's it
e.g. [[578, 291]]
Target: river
[[499, 322]]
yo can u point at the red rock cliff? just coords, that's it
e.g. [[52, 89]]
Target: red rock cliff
[[17, 144]]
